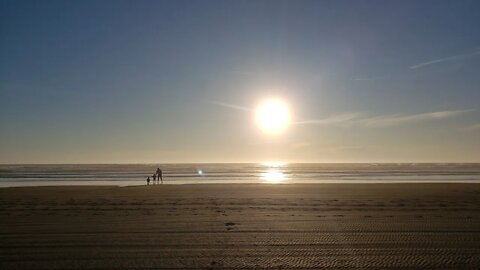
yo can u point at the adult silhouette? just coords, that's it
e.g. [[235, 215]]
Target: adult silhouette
[[159, 175]]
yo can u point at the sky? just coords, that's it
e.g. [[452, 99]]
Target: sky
[[176, 81]]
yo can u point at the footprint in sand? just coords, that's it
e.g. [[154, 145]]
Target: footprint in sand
[[230, 225]]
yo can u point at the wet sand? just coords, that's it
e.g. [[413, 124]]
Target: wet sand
[[241, 226]]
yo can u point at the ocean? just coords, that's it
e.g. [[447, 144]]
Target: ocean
[[278, 173]]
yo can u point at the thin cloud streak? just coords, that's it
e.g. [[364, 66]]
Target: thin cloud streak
[[360, 119], [231, 106], [370, 78], [392, 120], [474, 127], [335, 119], [446, 59], [349, 119]]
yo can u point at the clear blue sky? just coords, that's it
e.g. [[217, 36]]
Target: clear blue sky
[[153, 81]]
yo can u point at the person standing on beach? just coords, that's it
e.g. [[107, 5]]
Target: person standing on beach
[[159, 175], [148, 180], [154, 178]]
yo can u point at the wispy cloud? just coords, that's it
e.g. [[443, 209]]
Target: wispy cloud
[[232, 106], [392, 120], [334, 119], [377, 78], [474, 127], [359, 119], [362, 119], [446, 59]]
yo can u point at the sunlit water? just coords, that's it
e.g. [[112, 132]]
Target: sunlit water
[[274, 173]]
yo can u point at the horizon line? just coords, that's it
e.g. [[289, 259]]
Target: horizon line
[[262, 162]]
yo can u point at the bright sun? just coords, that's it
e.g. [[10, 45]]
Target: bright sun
[[272, 116]]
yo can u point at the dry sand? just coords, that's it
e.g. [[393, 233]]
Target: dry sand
[[241, 226]]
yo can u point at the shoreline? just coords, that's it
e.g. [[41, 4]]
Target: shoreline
[[320, 182]]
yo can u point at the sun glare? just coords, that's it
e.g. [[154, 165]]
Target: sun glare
[[273, 164], [272, 116], [273, 176]]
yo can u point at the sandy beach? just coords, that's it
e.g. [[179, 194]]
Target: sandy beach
[[241, 226]]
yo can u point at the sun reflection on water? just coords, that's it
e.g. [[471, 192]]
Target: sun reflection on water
[[273, 173], [273, 176]]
